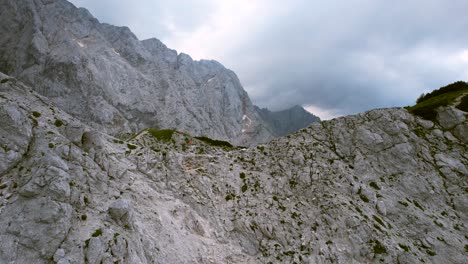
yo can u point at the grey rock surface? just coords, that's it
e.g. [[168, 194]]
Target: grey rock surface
[[109, 79], [379, 187], [285, 122]]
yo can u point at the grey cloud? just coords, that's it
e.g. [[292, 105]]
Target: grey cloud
[[352, 56]]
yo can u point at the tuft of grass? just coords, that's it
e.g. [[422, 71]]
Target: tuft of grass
[[4, 80], [163, 134], [36, 114], [426, 105], [214, 142]]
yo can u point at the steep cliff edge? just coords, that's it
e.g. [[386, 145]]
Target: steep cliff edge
[[383, 186], [106, 77]]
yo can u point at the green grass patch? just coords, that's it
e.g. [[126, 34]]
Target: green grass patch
[[163, 134], [463, 103], [214, 142], [4, 80], [36, 114], [427, 104]]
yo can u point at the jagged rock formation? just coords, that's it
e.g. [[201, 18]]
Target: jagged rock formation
[[283, 123], [106, 77], [380, 187]]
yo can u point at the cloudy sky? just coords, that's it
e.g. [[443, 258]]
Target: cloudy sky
[[333, 57]]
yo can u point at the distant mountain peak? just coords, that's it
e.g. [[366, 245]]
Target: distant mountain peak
[[287, 121]]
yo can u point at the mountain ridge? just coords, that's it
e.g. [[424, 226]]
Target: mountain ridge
[[380, 186], [99, 166], [107, 77]]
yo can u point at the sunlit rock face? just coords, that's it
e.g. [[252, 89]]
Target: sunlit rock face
[[379, 187]]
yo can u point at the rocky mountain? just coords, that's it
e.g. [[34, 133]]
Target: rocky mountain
[[283, 123], [109, 79], [384, 186], [99, 163]]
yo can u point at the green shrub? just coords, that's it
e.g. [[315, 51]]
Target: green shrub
[[214, 142], [36, 114], [4, 80], [58, 123]]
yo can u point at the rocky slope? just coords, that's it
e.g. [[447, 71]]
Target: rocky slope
[[379, 187], [106, 77], [283, 123]]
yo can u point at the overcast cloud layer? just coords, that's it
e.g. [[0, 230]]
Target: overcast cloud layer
[[335, 57]]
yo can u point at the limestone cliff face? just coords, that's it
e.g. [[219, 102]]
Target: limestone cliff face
[[105, 76], [379, 187]]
